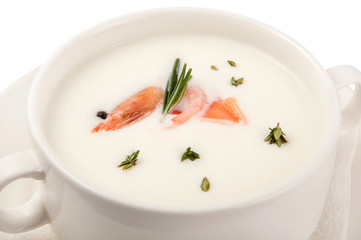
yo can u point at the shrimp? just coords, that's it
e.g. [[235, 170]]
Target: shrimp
[[133, 109], [196, 98], [227, 109]]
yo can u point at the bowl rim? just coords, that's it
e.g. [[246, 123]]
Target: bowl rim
[[44, 146]]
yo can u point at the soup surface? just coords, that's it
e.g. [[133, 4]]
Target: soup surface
[[234, 157]]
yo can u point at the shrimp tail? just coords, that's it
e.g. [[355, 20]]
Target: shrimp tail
[[132, 110]]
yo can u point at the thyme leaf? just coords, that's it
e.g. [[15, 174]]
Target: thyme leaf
[[205, 185], [130, 161], [276, 136], [189, 154], [214, 68], [236, 82], [232, 63]]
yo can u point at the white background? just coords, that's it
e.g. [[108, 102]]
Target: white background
[[30, 30]]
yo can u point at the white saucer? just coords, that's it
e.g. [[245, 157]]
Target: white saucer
[[15, 136]]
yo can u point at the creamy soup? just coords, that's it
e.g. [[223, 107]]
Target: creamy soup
[[234, 157]]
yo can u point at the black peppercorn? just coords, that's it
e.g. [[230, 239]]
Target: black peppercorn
[[102, 114]]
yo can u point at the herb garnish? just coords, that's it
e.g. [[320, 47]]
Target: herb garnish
[[214, 68], [130, 161], [176, 86], [189, 154], [236, 82], [276, 136], [233, 64], [205, 185]]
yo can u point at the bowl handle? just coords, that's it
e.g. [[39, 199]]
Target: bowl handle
[[343, 76], [31, 214]]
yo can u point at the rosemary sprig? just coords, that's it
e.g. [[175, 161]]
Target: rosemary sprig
[[176, 87], [276, 136], [205, 185], [236, 82], [130, 161], [189, 154]]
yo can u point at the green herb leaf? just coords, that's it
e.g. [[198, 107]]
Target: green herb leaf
[[130, 161], [176, 87], [214, 68], [205, 185], [236, 82], [276, 136], [277, 133], [233, 64], [189, 154]]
